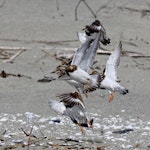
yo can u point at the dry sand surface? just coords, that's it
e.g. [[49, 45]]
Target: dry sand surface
[[26, 121]]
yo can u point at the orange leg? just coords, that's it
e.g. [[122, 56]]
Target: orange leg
[[111, 97], [82, 130]]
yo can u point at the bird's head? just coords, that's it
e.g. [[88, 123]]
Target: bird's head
[[71, 68]]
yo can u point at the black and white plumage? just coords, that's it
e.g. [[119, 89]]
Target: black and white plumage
[[90, 32], [80, 73], [71, 105], [110, 81], [77, 74]]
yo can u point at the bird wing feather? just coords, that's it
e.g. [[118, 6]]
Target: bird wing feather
[[57, 106], [88, 59], [113, 62], [70, 101], [79, 54]]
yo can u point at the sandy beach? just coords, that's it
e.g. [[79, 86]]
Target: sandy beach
[[36, 30]]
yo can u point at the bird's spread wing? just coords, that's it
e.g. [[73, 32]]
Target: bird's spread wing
[[71, 99], [82, 37], [88, 59], [113, 62], [79, 54], [57, 106]]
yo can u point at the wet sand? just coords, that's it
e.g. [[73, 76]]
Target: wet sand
[[39, 25]]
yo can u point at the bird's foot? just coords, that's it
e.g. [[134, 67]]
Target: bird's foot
[[82, 130], [111, 97]]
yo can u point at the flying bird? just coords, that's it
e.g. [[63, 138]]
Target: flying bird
[[110, 80], [79, 68], [90, 32], [71, 105]]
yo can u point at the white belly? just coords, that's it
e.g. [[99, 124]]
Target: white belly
[[81, 76]]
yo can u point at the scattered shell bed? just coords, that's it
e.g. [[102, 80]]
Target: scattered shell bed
[[59, 132]]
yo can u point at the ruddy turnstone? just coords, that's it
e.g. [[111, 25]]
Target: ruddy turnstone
[[71, 105], [110, 81], [90, 32], [80, 73]]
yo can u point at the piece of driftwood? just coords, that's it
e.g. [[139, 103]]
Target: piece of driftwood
[[60, 42], [122, 131], [141, 56], [61, 55], [29, 135], [3, 74], [68, 140], [29, 138], [9, 53], [134, 54], [102, 52], [74, 49], [13, 48], [46, 79], [14, 56]]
